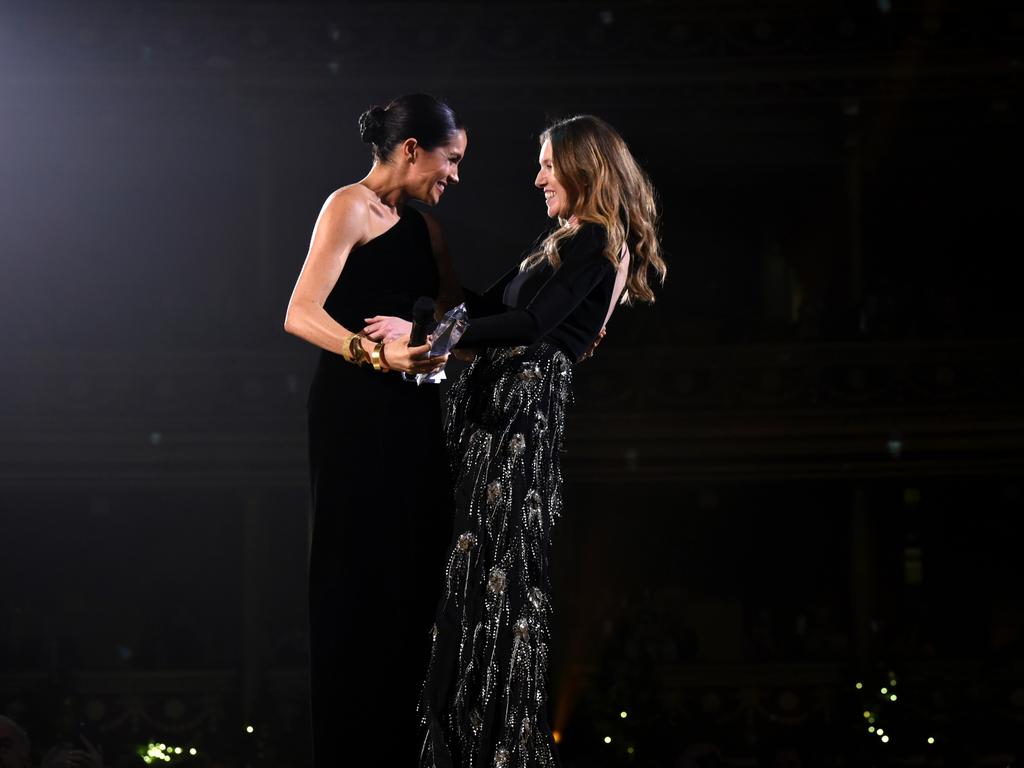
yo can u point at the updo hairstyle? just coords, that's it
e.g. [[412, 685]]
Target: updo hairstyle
[[418, 116]]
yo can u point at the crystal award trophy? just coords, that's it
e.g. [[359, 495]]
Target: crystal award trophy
[[447, 333]]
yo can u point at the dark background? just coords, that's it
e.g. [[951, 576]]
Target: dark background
[[798, 471]]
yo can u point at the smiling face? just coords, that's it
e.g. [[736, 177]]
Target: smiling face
[[556, 198], [434, 169]]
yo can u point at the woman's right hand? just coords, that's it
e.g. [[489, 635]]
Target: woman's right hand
[[384, 328], [401, 357]]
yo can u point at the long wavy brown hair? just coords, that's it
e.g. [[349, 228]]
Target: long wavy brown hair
[[606, 186]]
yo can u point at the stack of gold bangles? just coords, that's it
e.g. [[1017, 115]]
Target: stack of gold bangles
[[356, 354]]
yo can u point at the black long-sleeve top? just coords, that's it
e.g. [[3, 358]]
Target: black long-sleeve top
[[566, 306]]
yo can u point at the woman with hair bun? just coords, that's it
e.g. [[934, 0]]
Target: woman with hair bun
[[484, 700], [379, 521]]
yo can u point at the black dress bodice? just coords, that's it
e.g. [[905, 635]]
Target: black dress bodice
[[384, 276], [565, 306]]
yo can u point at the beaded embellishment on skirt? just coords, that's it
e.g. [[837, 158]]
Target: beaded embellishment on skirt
[[484, 701]]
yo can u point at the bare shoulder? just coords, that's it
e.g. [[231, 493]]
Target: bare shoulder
[[350, 200], [346, 214]]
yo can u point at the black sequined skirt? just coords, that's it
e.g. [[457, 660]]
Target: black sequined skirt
[[484, 700]]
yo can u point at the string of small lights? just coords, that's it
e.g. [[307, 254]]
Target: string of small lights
[[158, 752], [616, 733], [879, 702]]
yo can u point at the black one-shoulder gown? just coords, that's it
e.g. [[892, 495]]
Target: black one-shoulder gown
[[381, 524]]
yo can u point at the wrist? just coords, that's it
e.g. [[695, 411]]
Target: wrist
[[346, 348]]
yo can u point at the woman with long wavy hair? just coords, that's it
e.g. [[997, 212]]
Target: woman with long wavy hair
[[484, 699]]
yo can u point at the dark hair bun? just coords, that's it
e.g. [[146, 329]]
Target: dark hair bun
[[371, 125], [414, 115]]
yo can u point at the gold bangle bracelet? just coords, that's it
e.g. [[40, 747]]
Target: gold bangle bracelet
[[355, 348], [346, 349], [375, 357]]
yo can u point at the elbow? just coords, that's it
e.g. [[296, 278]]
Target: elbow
[[292, 323]]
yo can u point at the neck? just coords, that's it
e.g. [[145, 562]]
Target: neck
[[384, 182]]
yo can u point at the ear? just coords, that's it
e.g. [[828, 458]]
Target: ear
[[409, 150]]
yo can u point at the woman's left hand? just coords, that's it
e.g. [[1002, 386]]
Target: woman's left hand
[[386, 328]]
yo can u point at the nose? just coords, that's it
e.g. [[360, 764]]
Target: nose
[[453, 177], [541, 180]]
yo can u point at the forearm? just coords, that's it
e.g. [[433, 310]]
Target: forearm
[[513, 328], [312, 323]]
